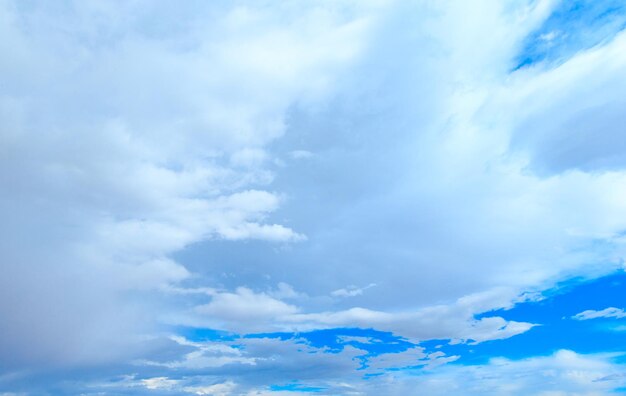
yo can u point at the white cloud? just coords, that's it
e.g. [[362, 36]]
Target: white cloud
[[351, 291], [564, 373], [223, 389], [410, 357], [564, 124], [159, 383], [431, 323], [285, 291], [244, 309], [203, 355], [247, 311], [610, 312]]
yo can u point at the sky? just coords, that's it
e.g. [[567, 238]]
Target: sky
[[289, 198]]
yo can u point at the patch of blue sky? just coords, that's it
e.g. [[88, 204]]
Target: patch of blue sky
[[198, 334], [574, 26], [372, 341], [557, 329]]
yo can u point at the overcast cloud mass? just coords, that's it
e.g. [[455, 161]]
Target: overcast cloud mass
[[286, 198]]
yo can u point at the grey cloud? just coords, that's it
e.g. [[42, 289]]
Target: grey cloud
[[116, 140]]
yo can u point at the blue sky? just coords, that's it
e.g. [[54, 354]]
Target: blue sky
[[325, 198]]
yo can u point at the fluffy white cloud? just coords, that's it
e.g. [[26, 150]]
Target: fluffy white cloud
[[125, 140], [247, 311], [430, 323], [244, 309]]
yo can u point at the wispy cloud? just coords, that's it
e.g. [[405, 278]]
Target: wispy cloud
[[610, 312]]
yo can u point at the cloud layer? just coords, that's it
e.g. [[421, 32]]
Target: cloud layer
[[256, 168]]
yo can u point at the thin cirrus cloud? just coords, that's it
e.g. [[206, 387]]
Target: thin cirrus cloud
[[610, 312], [230, 168]]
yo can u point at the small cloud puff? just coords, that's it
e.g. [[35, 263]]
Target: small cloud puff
[[244, 305], [610, 312], [351, 291]]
